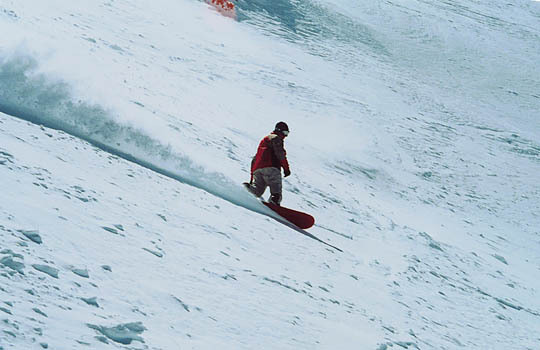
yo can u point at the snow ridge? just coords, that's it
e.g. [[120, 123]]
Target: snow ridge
[[32, 97]]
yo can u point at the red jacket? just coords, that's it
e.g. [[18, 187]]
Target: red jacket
[[270, 154]]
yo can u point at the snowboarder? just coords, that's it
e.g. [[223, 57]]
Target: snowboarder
[[224, 4], [224, 7], [267, 163]]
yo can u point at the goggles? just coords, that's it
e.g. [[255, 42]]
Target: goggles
[[285, 132]]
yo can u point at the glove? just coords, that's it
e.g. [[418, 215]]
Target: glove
[[287, 172]]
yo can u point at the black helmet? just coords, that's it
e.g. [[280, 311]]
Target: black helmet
[[283, 128]]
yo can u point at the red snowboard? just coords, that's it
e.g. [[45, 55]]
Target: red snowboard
[[302, 220]]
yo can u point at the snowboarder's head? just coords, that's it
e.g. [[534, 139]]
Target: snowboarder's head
[[282, 129]]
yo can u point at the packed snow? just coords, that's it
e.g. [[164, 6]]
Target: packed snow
[[127, 128]]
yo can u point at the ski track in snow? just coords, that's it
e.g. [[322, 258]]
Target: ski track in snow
[[414, 144]]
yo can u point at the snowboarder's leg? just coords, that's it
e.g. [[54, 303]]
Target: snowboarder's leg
[[273, 179], [258, 185]]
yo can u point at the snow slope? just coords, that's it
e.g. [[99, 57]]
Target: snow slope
[[125, 130]]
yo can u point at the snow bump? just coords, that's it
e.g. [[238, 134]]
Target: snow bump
[[32, 235], [49, 270], [8, 261], [91, 301], [122, 333], [81, 272]]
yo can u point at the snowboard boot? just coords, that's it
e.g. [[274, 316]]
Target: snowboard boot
[[275, 199], [248, 187]]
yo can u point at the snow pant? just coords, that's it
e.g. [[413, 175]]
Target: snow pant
[[267, 177]]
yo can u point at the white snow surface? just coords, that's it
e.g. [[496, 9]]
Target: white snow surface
[[126, 128]]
